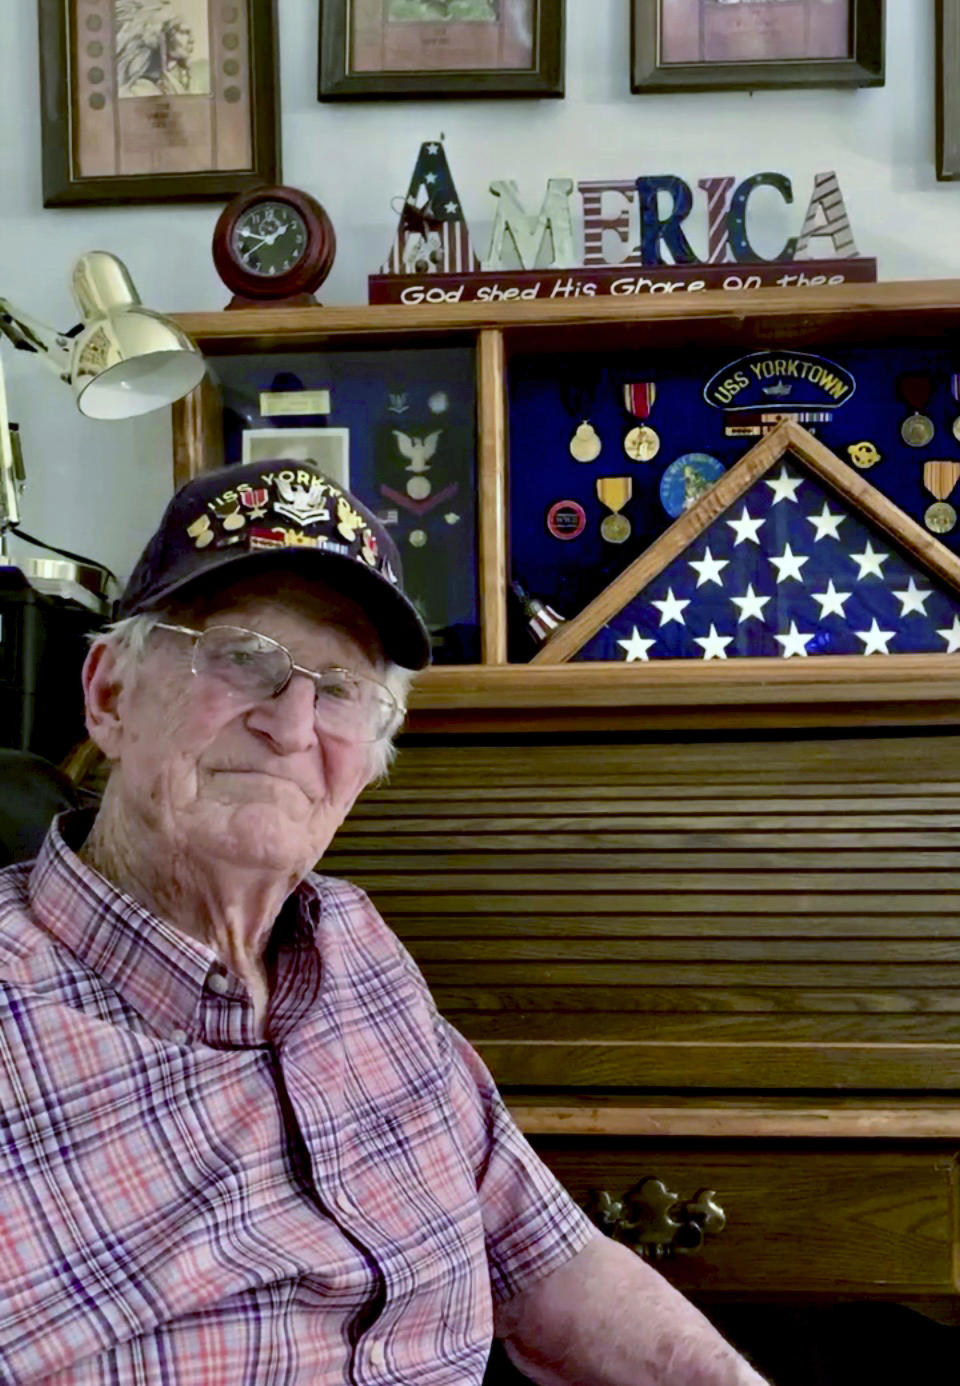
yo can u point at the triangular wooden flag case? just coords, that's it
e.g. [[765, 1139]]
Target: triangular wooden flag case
[[920, 555]]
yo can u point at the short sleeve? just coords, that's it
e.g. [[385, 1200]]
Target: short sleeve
[[531, 1224]]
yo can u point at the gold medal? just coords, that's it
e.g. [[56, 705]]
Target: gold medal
[[585, 445], [940, 478], [915, 388], [917, 430], [940, 517], [614, 492], [642, 443], [418, 487], [955, 428], [615, 528]]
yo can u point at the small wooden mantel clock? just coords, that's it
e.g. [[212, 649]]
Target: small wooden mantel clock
[[273, 247]]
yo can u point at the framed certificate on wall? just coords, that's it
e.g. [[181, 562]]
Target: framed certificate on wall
[[698, 45], [157, 100], [396, 48]]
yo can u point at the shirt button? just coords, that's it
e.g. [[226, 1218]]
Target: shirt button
[[378, 1353], [217, 982], [178, 1036]]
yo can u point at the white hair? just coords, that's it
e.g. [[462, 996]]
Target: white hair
[[130, 637]]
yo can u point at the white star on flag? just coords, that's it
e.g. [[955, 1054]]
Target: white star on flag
[[869, 562], [430, 178], [433, 149], [831, 601], [708, 568], [714, 646], [875, 640], [794, 642], [671, 608], [746, 527], [750, 605], [913, 598], [952, 636], [827, 524], [636, 647], [788, 565], [450, 207], [784, 487]]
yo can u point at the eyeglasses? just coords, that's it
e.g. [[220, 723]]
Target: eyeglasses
[[346, 704]]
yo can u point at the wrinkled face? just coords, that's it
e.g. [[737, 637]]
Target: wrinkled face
[[209, 774]]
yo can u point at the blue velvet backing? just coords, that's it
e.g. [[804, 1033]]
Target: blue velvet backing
[[441, 573], [543, 414]]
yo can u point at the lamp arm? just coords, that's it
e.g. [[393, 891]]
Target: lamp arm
[[10, 478], [27, 334]]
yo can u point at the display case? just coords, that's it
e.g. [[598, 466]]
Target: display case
[[488, 496]]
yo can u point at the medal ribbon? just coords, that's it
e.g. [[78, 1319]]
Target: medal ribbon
[[578, 399], [638, 398], [940, 478], [915, 389], [614, 491]]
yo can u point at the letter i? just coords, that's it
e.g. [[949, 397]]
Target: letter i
[[718, 192]]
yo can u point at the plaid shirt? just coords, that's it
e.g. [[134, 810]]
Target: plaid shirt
[[183, 1203]]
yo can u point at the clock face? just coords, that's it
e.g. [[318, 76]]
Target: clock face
[[270, 238]]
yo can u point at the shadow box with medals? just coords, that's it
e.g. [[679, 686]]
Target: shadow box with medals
[[395, 427], [670, 508]]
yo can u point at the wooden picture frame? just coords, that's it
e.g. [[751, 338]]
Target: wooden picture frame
[[684, 54], [948, 94], [391, 49], [178, 103]]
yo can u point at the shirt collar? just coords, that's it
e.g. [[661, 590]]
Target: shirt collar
[[162, 973]]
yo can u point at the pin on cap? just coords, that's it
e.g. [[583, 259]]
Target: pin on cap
[[281, 515]]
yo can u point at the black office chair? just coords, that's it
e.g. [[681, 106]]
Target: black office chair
[[32, 792]]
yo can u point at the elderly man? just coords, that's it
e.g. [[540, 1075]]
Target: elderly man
[[240, 1145]]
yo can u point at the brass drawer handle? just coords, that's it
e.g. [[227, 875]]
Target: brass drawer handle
[[655, 1222]]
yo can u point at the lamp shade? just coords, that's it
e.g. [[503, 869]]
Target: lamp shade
[[131, 362], [127, 360]]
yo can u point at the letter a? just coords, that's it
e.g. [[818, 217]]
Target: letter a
[[543, 241], [826, 216]]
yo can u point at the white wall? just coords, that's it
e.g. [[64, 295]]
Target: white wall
[[99, 488]]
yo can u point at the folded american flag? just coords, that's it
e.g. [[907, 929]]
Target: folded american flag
[[791, 570]]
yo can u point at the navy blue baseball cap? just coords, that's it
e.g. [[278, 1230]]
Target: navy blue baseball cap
[[285, 515]]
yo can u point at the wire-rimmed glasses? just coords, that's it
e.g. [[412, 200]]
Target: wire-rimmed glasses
[[347, 704]]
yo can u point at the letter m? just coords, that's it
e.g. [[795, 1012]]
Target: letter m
[[538, 242]]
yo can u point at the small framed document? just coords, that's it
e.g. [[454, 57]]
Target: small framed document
[[397, 48], [157, 100], [698, 45]]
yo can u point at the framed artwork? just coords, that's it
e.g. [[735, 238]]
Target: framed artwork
[[948, 95], [401, 48], [157, 100], [743, 45], [329, 448]]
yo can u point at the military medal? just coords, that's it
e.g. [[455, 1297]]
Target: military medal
[[585, 444], [614, 492], [940, 478], [643, 442], [940, 517], [915, 389]]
